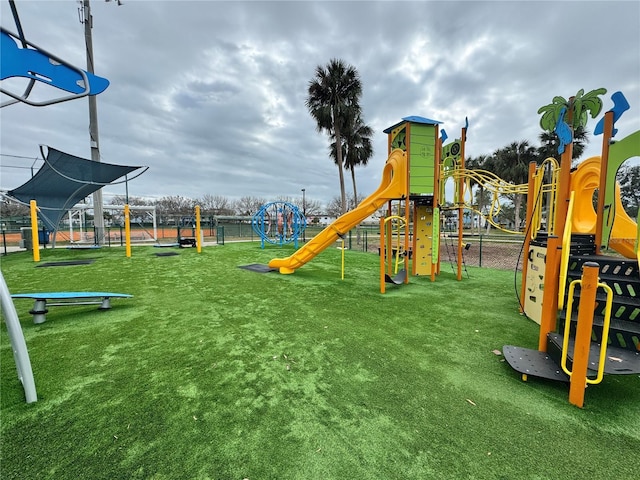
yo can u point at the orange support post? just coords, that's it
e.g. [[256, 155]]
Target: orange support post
[[583, 333], [382, 255], [604, 166], [550, 293], [531, 201]]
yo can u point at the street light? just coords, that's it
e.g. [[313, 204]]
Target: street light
[[304, 214]]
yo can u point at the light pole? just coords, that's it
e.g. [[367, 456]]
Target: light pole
[[304, 214], [98, 214]]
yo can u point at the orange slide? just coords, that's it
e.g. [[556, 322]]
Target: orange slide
[[393, 186], [584, 181]]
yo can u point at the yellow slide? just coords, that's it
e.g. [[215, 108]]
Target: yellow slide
[[584, 181], [393, 186]]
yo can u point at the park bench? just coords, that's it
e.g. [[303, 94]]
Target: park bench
[[39, 310], [187, 242]]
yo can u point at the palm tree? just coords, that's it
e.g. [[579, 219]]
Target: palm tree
[[481, 162], [357, 147], [334, 90], [549, 144], [513, 164]]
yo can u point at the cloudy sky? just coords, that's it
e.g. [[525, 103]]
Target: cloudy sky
[[210, 95]]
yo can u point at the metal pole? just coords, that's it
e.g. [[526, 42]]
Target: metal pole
[[304, 214], [98, 216]]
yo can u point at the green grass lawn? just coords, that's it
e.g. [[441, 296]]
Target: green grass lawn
[[215, 372]]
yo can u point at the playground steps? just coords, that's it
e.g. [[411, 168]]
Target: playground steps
[[619, 361], [581, 244], [623, 276], [623, 346]]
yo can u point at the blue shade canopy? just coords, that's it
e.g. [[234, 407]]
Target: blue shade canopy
[[63, 181]]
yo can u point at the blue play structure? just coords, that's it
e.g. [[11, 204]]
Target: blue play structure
[[279, 223], [39, 310], [21, 59]]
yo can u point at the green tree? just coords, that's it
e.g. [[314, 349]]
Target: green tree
[[357, 147], [549, 144], [629, 179], [333, 92], [482, 197], [512, 164]]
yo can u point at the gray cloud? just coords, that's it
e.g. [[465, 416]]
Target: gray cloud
[[211, 94]]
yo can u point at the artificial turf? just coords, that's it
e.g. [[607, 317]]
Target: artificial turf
[[215, 372]]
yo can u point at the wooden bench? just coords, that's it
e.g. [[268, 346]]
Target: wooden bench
[[39, 310]]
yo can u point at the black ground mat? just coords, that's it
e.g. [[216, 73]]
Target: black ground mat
[[66, 263], [258, 267]]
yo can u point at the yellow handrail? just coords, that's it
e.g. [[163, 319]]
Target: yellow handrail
[[383, 247], [605, 331], [401, 224]]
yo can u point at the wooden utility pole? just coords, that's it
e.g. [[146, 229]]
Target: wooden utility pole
[[98, 216]]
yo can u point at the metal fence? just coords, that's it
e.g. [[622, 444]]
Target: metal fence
[[491, 251]]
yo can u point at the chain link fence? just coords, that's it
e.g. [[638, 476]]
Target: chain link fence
[[490, 251]]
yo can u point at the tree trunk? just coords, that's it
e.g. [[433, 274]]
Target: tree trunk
[[336, 130], [343, 193], [517, 203], [353, 180]]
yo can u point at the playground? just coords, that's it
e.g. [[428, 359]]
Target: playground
[[208, 370], [212, 371], [202, 369]]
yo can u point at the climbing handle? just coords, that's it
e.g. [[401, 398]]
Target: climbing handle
[[605, 330]]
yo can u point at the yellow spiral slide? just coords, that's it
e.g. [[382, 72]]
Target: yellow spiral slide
[[584, 181]]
